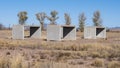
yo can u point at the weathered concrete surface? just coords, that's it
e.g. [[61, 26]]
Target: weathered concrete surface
[[94, 32], [18, 32], [35, 32], [100, 32], [58, 33], [54, 32], [68, 32]]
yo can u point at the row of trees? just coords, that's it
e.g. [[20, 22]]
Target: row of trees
[[97, 21], [41, 17]]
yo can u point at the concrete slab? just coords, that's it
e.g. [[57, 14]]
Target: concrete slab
[[18, 32], [54, 32]]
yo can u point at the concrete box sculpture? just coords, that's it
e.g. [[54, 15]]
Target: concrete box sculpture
[[94, 32], [68, 32], [58, 33], [54, 32], [35, 32], [18, 32]]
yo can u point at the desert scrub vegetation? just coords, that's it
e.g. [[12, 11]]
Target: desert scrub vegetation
[[114, 64], [16, 61], [87, 50], [4, 61], [11, 62], [98, 63], [34, 56], [19, 62], [36, 53], [93, 50]]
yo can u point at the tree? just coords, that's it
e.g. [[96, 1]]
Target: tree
[[53, 17], [41, 17], [67, 19], [82, 19], [97, 19], [22, 17]]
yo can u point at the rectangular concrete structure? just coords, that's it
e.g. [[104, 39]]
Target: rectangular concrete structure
[[58, 32], [35, 32], [54, 32], [68, 32], [18, 32], [94, 32]]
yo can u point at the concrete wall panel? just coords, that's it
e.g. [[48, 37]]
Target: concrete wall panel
[[54, 32], [18, 32]]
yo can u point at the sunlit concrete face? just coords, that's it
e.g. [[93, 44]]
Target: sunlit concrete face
[[18, 32], [54, 33], [94, 32]]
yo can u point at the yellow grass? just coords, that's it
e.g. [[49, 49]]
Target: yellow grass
[[39, 52]]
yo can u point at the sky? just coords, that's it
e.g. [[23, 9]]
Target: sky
[[109, 9]]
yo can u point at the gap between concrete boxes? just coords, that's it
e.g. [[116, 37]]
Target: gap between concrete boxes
[[18, 32]]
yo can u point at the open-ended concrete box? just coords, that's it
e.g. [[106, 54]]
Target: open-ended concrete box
[[35, 32], [58, 33], [18, 32], [94, 32], [54, 32], [68, 32]]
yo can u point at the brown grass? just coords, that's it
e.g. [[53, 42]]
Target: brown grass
[[114, 64], [39, 52], [98, 63]]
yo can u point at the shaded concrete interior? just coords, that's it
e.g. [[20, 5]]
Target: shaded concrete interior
[[33, 30], [99, 30], [67, 30]]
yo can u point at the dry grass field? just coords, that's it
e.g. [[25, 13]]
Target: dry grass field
[[39, 53]]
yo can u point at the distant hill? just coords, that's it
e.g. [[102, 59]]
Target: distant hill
[[114, 29]]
